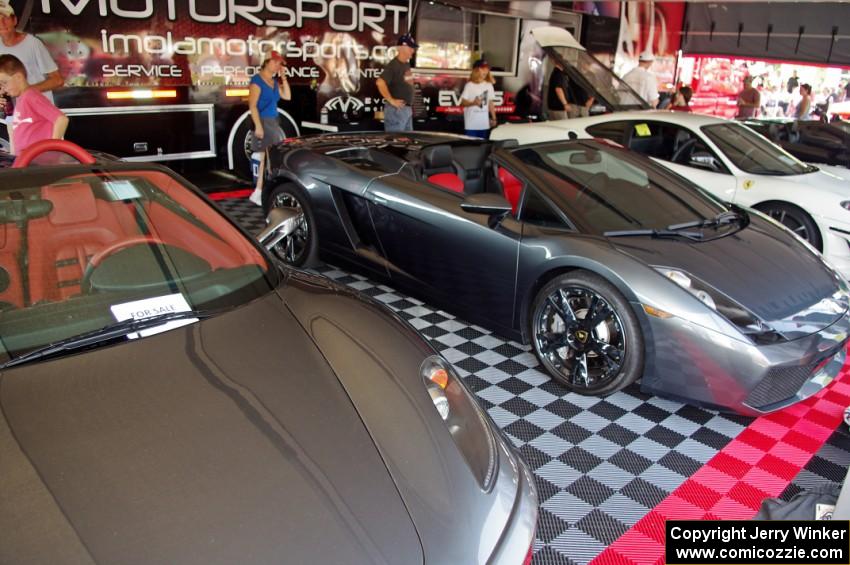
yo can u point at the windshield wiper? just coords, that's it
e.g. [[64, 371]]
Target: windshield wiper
[[721, 219], [108, 332], [696, 236]]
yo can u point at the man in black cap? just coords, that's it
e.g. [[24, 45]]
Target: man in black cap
[[396, 86]]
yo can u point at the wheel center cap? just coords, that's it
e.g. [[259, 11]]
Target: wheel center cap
[[582, 336]]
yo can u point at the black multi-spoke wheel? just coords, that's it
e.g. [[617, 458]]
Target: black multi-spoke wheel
[[300, 247], [795, 219], [586, 335]]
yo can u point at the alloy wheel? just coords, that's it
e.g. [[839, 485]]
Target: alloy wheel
[[580, 337], [789, 221], [292, 248]]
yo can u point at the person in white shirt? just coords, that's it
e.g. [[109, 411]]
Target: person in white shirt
[[42, 71], [477, 101], [642, 80]]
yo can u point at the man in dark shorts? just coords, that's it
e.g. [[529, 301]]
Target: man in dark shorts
[[396, 86], [558, 106]]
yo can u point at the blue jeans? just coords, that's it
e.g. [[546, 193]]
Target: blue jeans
[[482, 133], [398, 119]]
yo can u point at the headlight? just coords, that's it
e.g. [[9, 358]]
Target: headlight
[[465, 421], [742, 318]]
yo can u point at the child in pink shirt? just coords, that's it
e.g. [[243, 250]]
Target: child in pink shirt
[[35, 117]]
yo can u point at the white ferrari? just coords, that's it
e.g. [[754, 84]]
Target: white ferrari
[[728, 160]]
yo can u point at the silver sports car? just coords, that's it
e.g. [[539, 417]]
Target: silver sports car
[[169, 394], [613, 267]]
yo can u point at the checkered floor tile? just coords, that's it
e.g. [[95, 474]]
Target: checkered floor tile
[[246, 213], [828, 466], [600, 464], [757, 464]]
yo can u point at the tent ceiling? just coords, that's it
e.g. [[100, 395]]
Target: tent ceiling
[[800, 31]]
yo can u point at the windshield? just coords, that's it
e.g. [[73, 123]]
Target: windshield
[[751, 152], [602, 83], [606, 189], [79, 252]]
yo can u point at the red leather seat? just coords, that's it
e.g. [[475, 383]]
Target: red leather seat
[[439, 169], [61, 243], [10, 248], [222, 247], [511, 186], [167, 226], [447, 180]]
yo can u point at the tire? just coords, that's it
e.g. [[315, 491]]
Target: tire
[[301, 248], [795, 219], [241, 144], [588, 360], [4, 139]]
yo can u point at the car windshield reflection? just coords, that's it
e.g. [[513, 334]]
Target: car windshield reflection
[[80, 252], [605, 190], [752, 153]]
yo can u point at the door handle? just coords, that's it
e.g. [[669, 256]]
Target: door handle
[[381, 201]]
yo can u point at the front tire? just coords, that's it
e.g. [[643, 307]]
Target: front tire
[[300, 249], [795, 219], [586, 335]]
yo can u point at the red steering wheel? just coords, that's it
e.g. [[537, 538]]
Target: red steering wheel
[[98, 257], [39, 147]]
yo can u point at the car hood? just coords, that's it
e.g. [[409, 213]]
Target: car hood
[[826, 179], [835, 172], [226, 441], [761, 267]]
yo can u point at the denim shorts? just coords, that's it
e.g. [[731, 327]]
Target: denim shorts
[[272, 134], [398, 119]]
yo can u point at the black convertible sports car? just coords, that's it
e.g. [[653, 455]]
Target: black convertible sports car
[[610, 265], [808, 140]]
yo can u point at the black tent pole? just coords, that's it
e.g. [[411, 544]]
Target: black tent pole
[[832, 43], [800, 33]]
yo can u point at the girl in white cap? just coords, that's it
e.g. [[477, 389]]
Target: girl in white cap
[[477, 100]]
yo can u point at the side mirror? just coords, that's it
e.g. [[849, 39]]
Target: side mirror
[[704, 160], [485, 203], [588, 157], [505, 143], [280, 223]]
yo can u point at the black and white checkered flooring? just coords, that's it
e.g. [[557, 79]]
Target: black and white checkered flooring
[[600, 464]]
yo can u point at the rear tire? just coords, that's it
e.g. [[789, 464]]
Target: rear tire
[[301, 248], [4, 139], [241, 145], [795, 219], [586, 335]]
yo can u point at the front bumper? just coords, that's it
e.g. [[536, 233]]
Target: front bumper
[[705, 367], [836, 244], [518, 535]]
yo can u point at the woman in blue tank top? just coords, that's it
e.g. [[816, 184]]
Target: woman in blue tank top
[[267, 87]]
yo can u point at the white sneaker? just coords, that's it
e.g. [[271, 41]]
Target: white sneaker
[[256, 197]]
